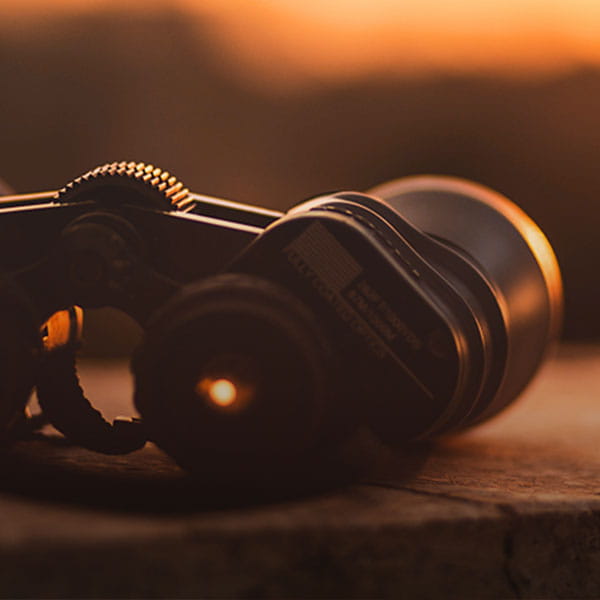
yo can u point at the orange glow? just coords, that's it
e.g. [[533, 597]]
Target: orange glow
[[294, 42], [63, 328], [220, 392]]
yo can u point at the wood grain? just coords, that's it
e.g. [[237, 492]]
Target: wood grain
[[508, 509]]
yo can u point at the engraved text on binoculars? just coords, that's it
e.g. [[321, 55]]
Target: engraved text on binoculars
[[369, 325], [379, 313]]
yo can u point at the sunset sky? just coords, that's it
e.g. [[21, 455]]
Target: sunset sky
[[344, 38]]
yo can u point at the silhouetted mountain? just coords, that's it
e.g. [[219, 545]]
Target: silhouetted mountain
[[82, 91]]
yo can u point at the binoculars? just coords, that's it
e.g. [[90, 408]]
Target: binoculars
[[418, 308]]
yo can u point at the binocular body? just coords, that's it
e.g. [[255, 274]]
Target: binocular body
[[418, 308]]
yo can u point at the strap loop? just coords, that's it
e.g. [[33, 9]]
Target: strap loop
[[63, 401]]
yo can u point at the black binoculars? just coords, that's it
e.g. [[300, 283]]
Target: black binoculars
[[417, 308]]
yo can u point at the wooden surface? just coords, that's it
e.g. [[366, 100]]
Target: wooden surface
[[509, 509]]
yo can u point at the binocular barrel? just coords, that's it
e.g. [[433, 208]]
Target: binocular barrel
[[420, 307]]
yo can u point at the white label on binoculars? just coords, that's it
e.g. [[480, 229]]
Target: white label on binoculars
[[325, 257], [319, 257]]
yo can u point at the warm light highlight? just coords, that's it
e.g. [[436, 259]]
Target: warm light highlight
[[63, 328], [219, 392], [222, 392]]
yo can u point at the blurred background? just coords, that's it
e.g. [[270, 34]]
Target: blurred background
[[272, 101]]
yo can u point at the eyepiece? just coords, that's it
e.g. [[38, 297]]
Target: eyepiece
[[232, 378]]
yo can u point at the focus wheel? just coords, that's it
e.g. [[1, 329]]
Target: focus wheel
[[128, 183]]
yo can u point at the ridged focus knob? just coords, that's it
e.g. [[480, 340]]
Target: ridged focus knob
[[131, 182]]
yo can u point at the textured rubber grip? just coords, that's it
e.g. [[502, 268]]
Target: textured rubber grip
[[63, 402]]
